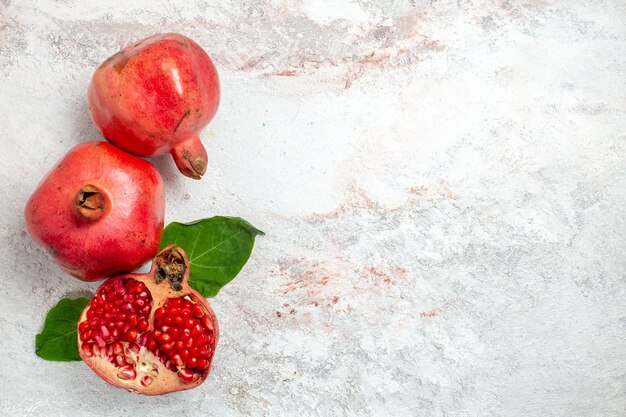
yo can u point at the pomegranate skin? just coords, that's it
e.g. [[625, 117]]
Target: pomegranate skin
[[98, 212], [155, 97], [105, 348]]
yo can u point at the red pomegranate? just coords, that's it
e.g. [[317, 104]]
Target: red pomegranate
[[154, 97], [99, 211], [151, 333]]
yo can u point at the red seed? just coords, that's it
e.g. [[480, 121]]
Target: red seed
[[206, 320], [177, 360], [187, 375], [88, 349], [165, 338], [99, 341], [190, 323], [204, 350], [178, 320], [104, 332], [139, 303], [130, 335], [119, 360], [200, 339], [127, 372], [151, 344], [167, 346], [134, 347], [173, 302], [193, 352], [159, 313], [132, 319], [202, 364], [179, 345], [192, 362], [142, 324], [85, 336], [187, 342], [117, 348], [83, 326], [196, 310], [198, 329], [185, 313], [146, 380], [184, 354]]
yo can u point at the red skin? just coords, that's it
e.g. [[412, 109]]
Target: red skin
[[122, 228], [155, 97]]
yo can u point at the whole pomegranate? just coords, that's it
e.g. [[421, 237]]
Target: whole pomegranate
[[151, 333], [99, 211], [154, 97]]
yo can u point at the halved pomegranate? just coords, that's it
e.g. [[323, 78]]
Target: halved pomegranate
[[151, 333]]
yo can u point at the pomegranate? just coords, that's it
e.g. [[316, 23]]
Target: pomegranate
[[99, 211], [151, 333], [154, 97]]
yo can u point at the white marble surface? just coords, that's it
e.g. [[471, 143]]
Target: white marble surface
[[442, 184]]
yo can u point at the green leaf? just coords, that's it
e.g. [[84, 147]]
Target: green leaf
[[217, 249], [58, 339]]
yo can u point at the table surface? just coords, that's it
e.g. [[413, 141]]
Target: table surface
[[441, 184]]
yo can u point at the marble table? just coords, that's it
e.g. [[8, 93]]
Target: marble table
[[442, 184]]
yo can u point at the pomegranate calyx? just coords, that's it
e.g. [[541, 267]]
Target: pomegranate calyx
[[171, 264], [90, 203]]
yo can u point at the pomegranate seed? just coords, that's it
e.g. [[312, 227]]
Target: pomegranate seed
[[178, 320], [128, 372], [193, 352], [151, 344], [121, 317], [165, 338], [204, 350], [139, 303], [108, 316], [88, 349], [202, 364], [168, 320], [196, 310], [117, 348], [90, 314], [185, 313], [173, 302], [134, 347], [190, 323], [128, 298], [146, 380], [83, 326], [187, 375], [179, 345], [184, 354], [115, 310], [186, 332], [99, 341], [85, 336], [159, 313], [109, 350], [119, 360], [115, 333], [142, 324], [198, 329], [131, 335], [157, 333], [206, 320], [105, 332], [192, 363], [119, 324], [143, 294], [132, 319], [167, 346], [200, 339], [142, 339], [177, 360], [187, 342]]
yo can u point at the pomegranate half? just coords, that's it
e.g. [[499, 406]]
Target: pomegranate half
[[155, 97], [150, 333], [99, 211]]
